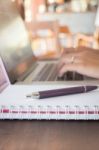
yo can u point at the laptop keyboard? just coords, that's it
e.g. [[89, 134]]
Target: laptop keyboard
[[44, 72], [49, 73], [72, 76]]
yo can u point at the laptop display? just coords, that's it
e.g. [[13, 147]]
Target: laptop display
[[4, 80], [15, 48]]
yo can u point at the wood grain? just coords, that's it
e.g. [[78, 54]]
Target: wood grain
[[49, 135]]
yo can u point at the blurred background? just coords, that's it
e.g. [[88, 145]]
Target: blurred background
[[73, 23]]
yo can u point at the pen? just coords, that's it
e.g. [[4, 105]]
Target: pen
[[61, 92]]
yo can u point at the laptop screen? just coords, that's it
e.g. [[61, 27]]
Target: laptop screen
[[15, 49], [4, 80]]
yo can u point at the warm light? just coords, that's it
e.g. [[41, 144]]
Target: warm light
[[97, 18], [59, 1], [27, 3], [28, 16], [51, 1], [42, 8], [79, 6]]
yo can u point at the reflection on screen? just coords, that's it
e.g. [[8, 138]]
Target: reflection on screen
[[15, 49]]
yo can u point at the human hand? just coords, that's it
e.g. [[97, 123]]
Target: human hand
[[82, 60]]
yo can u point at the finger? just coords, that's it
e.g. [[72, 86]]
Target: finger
[[68, 58], [67, 61], [69, 67]]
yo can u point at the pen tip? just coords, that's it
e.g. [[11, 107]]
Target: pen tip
[[28, 96], [33, 95]]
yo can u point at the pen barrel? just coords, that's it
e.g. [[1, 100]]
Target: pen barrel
[[65, 91]]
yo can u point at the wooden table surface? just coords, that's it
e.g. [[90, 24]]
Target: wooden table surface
[[49, 135]]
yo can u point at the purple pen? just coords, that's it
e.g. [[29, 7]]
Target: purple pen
[[62, 92]]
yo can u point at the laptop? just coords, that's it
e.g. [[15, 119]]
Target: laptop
[[17, 54]]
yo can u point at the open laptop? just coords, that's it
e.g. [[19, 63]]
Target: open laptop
[[17, 54]]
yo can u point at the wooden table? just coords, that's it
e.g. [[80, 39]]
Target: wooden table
[[49, 135]]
